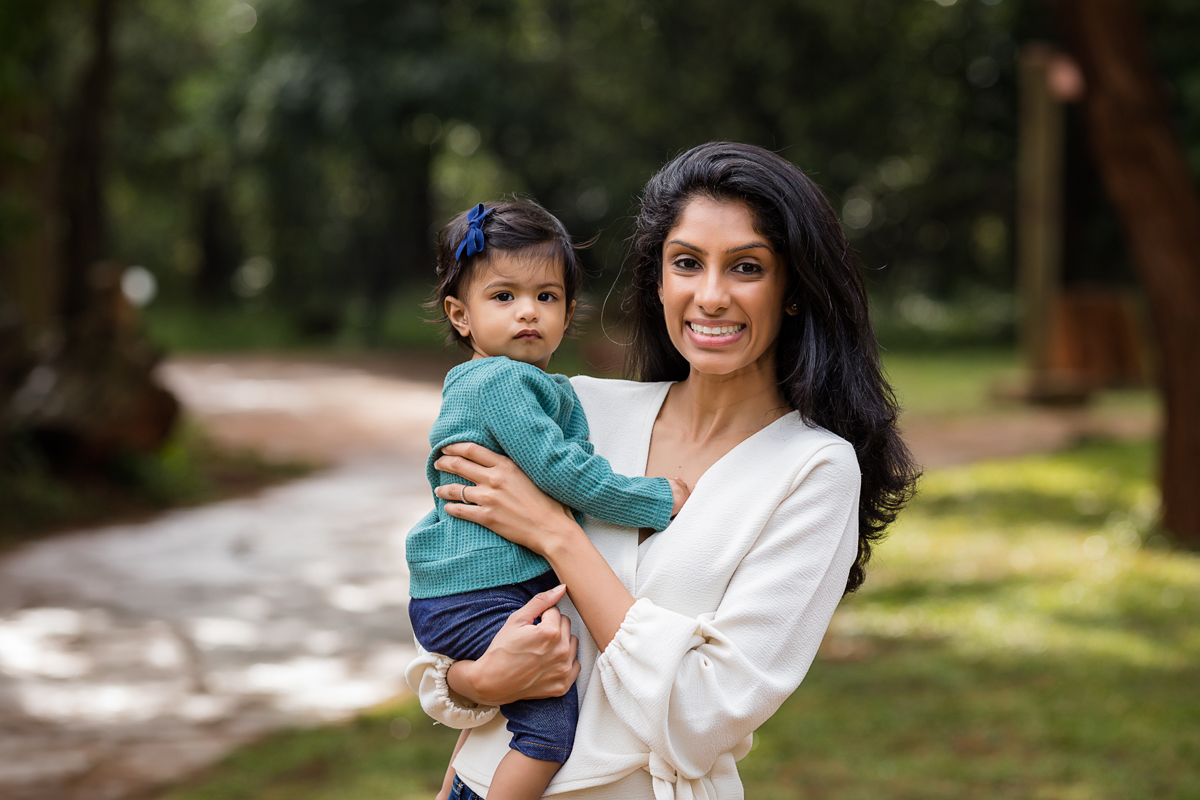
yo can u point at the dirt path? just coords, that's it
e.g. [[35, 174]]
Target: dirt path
[[134, 655]]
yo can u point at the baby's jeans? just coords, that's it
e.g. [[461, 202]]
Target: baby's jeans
[[461, 626]]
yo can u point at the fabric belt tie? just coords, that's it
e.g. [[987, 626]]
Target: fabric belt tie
[[669, 786]]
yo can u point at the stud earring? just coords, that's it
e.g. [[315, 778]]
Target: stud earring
[[793, 309]]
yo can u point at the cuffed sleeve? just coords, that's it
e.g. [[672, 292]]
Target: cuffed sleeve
[[426, 676]]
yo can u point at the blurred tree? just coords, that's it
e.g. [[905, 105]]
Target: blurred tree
[[1147, 177], [27, 178], [297, 154], [77, 378], [81, 164]]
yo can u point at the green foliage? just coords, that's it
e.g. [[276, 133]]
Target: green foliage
[[300, 154], [1024, 633]]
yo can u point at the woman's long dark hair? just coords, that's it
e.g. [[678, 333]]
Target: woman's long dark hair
[[826, 355]]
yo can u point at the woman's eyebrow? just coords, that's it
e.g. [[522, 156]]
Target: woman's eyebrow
[[689, 246], [751, 246]]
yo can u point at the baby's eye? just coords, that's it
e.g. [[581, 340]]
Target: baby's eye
[[547, 297], [504, 297]]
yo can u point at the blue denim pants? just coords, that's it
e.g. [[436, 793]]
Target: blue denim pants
[[460, 791], [461, 626]]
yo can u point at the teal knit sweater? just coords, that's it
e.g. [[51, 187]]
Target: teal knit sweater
[[536, 420]]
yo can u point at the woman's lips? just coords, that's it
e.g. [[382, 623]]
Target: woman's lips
[[715, 334]]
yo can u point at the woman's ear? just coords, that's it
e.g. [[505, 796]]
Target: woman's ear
[[456, 312], [792, 309]]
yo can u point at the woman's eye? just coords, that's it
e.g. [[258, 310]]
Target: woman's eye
[[686, 263], [546, 297], [748, 268], [504, 297]]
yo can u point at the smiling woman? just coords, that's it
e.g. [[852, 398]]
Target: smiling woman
[[722, 289], [760, 387]]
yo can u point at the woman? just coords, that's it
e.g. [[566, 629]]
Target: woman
[[763, 391]]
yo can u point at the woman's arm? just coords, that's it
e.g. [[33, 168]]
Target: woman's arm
[[507, 502], [694, 687]]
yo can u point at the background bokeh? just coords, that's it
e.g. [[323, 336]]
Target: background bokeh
[[216, 228], [294, 158]]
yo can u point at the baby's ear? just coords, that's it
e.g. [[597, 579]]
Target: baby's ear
[[570, 313], [456, 312]]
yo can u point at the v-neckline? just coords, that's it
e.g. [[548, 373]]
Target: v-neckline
[[648, 435]]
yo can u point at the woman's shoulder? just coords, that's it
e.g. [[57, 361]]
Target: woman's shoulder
[[620, 416], [604, 393], [790, 447]]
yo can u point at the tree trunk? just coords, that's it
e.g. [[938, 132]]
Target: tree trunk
[[220, 250], [1148, 180], [81, 168]]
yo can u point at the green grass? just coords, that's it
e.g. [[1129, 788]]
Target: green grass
[[940, 381], [1024, 633], [392, 752], [944, 381]]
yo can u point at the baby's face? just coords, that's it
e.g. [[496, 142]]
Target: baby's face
[[513, 307]]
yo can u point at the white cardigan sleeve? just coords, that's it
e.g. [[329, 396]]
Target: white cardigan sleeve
[[693, 688]]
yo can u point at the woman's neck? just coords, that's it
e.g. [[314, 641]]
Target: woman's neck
[[710, 407]]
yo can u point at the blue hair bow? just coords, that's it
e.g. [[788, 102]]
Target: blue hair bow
[[473, 241]]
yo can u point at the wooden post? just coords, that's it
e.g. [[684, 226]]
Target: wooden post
[[1039, 209]]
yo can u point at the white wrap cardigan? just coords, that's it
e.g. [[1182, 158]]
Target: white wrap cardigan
[[732, 601]]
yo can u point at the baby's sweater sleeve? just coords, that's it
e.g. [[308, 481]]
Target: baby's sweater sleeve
[[518, 409]]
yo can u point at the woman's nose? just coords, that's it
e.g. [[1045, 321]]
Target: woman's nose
[[712, 294]]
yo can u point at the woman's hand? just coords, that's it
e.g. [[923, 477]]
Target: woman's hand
[[503, 499], [526, 660]]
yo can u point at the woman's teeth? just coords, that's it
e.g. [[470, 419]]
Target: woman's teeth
[[723, 330]]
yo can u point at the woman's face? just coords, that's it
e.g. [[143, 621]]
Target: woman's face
[[722, 288]]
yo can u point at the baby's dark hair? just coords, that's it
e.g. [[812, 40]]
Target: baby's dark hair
[[510, 226]]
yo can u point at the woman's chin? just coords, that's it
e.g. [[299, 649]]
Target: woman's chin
[[725, 361]]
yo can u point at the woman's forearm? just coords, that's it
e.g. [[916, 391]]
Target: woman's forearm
[[598, 594], [462, 678]]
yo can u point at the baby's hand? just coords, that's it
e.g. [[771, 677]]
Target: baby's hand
[[679, 494]]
